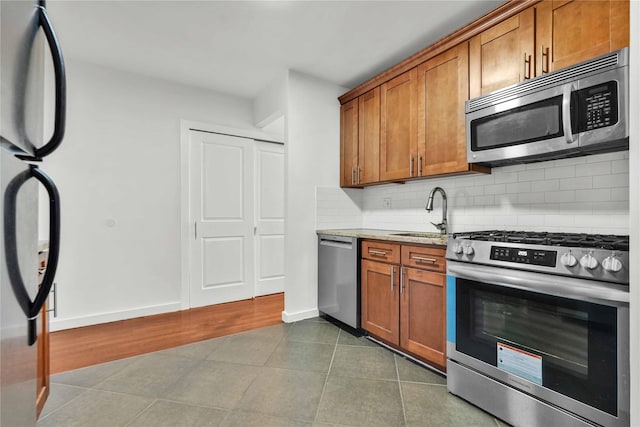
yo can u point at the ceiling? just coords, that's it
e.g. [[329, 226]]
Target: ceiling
[[240, 47]]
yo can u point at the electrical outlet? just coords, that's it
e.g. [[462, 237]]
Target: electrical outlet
[[386, 202]]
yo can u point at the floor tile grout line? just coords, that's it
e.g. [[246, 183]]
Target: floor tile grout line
[[141, 412], [64, 404], [326, 380], [404, 411]]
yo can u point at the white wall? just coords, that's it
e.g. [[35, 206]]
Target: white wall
[[312, 144], [119, 179]]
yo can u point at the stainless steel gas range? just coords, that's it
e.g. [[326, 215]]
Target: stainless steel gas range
[[538, 326]]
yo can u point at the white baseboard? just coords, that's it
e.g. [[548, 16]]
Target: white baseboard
[[95, 319], [301, 315]]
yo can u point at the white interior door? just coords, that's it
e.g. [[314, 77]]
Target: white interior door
[[269, 207], [221, 206]]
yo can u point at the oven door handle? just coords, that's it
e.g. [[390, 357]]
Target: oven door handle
[[565, 287]]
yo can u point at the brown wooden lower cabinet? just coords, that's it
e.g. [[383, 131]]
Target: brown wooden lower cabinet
[[405, 306]]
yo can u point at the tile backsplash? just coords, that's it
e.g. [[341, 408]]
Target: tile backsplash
[[584, 194]]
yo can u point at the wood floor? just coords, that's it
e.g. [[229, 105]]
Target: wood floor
[[90, 345]]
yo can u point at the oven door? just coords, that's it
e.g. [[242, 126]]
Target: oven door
[[562, 340]]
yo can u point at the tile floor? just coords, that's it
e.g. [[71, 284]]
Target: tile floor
[[309, 373]]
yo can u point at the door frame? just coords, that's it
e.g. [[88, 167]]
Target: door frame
[[186, 228]]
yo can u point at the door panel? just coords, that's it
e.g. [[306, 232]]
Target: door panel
[[380, 308], [348, 143], [497, 56], [423, 329], [369, 137], [399, 127], [574, 31], [221, 204], [269, 244], [443, 84]]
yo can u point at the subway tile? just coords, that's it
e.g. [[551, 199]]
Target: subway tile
[[620, 166], [546, 185], [494, 189], [593, 195], [560, 196], [505, 177], [531, 198], [581, 183], [519, 187], [531, 175], [621, 193], [611, 181], [592, 169], [483, 200], [560, 172]]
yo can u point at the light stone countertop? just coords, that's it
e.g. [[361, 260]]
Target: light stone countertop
[[419, 237]]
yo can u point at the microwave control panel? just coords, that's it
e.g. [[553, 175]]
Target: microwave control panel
[[597, 107]]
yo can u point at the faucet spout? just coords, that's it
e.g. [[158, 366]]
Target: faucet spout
[[429, 207]]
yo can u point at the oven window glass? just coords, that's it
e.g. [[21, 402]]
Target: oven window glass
[[532, 122], [576, 340]]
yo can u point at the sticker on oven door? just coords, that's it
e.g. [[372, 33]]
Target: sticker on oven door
[[520, 363]]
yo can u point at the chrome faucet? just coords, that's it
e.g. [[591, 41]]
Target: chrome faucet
[[443, 225]]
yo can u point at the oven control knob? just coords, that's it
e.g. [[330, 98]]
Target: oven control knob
[[612, 263], [568, 259], [589, 262], [468, 250], [457, 249]]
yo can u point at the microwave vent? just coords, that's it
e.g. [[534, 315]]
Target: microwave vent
[[573, 72]]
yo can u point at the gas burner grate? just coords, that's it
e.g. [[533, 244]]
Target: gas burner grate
[[579, 240]]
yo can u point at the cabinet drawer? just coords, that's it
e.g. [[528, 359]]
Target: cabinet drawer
[[425, 258], [381, 251]]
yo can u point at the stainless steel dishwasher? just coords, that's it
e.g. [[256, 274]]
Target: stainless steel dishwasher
[[338, 279]]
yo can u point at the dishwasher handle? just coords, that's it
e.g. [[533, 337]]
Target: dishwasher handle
[[337, 242]]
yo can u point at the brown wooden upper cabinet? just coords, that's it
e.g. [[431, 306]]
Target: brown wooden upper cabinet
[[399, 127], [569, 32], [550, 35], [443, 88], [503, 54], [360, 140]]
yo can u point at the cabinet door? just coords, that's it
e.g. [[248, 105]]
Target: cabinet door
[[569, 32], [502, 55], [380, 306], [369, 137], [399, 127], [42, 377], [423, 314], [348, 143], [443, 88]]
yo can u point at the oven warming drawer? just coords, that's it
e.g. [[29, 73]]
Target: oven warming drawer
[[506, 403]]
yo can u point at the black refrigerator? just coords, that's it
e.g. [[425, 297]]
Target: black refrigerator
[[26, 36]]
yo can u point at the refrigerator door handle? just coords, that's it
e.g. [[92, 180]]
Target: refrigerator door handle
[[60, 85], [54, 240]]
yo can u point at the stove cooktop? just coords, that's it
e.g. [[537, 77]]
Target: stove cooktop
[[575, 240], [589, 256]]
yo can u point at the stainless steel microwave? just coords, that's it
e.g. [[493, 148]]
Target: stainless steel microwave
[[579, 110]]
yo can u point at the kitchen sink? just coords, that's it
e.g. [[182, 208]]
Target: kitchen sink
[[424, 235]]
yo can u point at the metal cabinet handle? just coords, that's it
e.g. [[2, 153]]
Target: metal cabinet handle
[[60, 86], [401, 279], [359, 174], [419, 164], [527, 66], [410, 165], [353, 179], [380, 253], [423, 259], [392, 277], [545, 59]]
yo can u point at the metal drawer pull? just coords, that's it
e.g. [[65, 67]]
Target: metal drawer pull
[[401, 279], [381, 253], [420, 259]]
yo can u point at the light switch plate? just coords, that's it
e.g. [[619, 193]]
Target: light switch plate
[[386, 202]]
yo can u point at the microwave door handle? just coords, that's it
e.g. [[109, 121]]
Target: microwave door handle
[[566, 113]]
